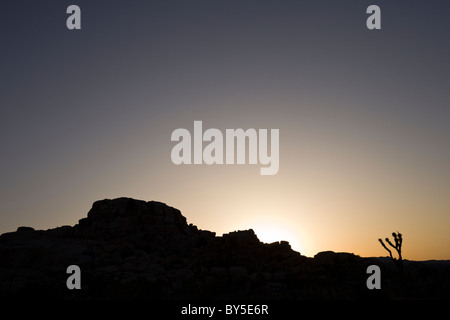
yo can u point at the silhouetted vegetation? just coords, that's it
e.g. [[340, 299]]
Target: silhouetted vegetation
[[398, 239]]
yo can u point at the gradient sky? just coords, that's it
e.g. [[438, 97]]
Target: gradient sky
[[363, 116]]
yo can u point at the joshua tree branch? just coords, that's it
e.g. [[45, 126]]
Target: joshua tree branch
[[390, 243], [384, 246]]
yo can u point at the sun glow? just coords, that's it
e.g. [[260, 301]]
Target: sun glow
[[269, 233]]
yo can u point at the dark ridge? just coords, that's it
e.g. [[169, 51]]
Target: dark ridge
[[133, 249]]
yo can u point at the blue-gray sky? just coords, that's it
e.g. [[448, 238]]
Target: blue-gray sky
[[363, 115]]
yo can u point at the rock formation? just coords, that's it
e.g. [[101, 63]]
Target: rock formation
[[132, 249]]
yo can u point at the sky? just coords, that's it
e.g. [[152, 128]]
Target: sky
[[363, 116]]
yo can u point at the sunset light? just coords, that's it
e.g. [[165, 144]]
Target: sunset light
[[216, 152]]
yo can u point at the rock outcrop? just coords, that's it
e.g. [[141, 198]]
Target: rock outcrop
[[132, 249]]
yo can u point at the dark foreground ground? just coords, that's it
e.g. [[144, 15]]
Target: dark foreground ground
[[132, 249]]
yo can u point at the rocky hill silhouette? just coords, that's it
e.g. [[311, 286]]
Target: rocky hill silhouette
[[133, 249]]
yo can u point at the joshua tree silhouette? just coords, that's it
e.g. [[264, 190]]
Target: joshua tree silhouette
[[398, 247]]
